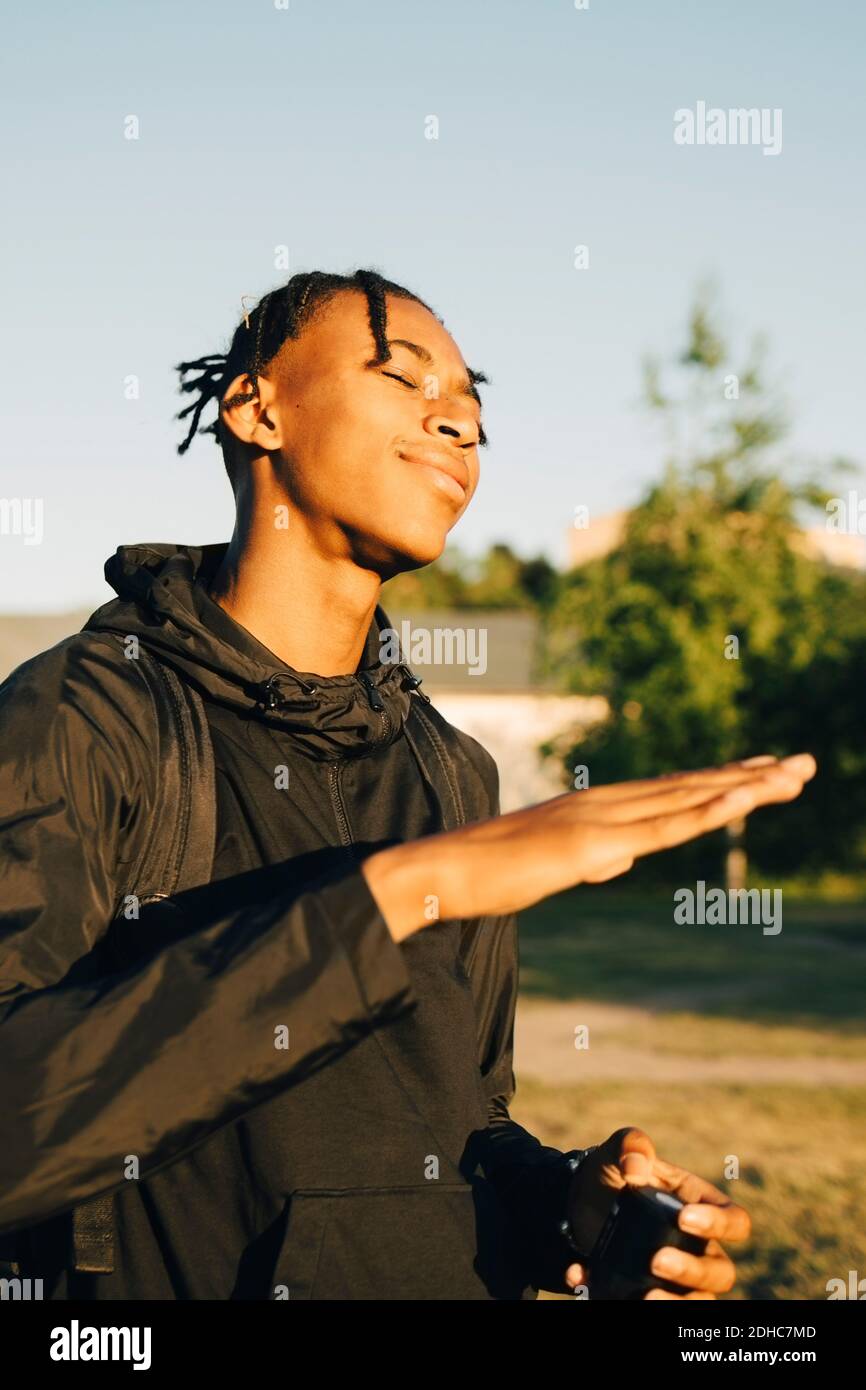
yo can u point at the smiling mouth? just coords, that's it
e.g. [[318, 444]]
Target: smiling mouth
[[449, 473]]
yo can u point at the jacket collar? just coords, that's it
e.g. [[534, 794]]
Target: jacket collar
[[163, 602]]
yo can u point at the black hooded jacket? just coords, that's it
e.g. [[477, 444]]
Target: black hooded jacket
[[367, 1154]]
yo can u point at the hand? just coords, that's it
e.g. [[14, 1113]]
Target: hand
[[499, 866], [628, 1157]]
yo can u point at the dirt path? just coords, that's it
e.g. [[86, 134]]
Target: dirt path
[[544, 1049]]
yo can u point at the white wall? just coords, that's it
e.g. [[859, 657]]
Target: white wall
[[511, 727]]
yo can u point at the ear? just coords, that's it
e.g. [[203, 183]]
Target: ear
[[255, 421]]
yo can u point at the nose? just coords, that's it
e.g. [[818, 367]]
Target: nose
[[459, 425]]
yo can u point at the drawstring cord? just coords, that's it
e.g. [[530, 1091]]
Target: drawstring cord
[[272, 697], [412, 682]]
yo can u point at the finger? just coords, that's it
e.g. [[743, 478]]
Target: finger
[[637, 1156], [719, 775], [605, 849], [685, 1185], [718, 1220], [708, 1211], [663, 1293], [689, 1187], [612, 792], [676, 797], [799, 763], [665, 831], [575, 1275], [712, 1273]]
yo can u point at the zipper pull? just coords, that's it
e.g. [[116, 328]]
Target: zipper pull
[[376, 701]]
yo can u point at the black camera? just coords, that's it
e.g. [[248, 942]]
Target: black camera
[[640, 1222]]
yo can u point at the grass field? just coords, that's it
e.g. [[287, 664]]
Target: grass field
[[720, 1042]]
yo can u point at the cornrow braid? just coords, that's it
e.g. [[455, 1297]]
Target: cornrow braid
[[282, 314], [373, 286], [305, 292]]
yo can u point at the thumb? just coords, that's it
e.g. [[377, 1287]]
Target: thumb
[[636, 1156], [575, 1275]]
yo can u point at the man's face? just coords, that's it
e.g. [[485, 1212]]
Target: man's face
[[381, 459]]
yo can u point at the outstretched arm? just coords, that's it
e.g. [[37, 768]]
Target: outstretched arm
[[504, 864]]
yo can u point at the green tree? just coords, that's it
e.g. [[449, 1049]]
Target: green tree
[[498, 579], [710, 630]]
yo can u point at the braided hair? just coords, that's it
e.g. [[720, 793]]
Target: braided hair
[[282, 314]]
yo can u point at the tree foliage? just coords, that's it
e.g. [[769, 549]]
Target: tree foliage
[[710, 631], [498, 579]]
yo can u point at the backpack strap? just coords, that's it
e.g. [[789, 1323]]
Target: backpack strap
[[178, 854], [427, 744], [186, 792], [446, 769], [436, 763]]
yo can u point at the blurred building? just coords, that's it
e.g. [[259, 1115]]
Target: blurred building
[[604, 533], [837, 548], [511, 706]]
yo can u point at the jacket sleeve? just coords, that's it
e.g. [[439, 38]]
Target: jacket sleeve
[[98, 1066], [531, 1179]]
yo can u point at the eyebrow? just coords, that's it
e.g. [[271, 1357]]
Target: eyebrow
[[468, 388]]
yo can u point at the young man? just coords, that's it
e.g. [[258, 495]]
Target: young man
[[299, 1087]]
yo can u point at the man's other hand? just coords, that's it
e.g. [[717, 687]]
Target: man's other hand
[[628, 1158]]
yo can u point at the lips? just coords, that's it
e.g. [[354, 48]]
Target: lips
[[442, 460]]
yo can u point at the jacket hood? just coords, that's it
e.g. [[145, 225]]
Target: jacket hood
[[163, 601]]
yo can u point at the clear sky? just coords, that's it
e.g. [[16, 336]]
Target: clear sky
[[261, 127]]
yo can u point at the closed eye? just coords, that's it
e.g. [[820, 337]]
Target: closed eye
[[483, 441]]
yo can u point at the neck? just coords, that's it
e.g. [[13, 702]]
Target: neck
[[311, 608]]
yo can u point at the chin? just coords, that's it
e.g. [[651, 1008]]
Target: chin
[[403, 548], [423, 541]]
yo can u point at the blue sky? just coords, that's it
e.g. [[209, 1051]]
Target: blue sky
[[304, 127]]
